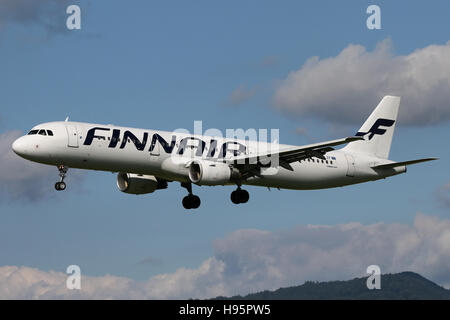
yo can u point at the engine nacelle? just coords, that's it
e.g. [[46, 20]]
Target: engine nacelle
[[210, 173], [136, 183]]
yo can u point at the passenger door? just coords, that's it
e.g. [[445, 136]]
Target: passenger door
[[72, 135], [351, 165]]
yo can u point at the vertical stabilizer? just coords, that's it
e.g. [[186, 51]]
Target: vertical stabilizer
[[378, 129]]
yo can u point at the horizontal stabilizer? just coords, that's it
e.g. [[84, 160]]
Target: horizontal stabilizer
[[404, 163]]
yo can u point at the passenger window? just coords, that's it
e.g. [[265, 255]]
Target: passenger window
[[33, 132], [50, 132], [42, 132]]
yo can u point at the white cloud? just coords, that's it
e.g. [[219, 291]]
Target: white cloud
[[347, 87], [252, 260]]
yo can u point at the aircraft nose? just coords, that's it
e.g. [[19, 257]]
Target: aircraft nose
[[19, 146]]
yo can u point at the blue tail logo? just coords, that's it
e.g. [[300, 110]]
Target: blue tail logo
[[376, 128]]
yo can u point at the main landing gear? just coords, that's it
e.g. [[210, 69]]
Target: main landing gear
[[191, 201], [239, 196], [61, 185]]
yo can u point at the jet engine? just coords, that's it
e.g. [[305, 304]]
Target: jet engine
[[136, 183], [211, 173]]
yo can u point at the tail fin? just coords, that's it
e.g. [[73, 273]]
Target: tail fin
[[378, 129]]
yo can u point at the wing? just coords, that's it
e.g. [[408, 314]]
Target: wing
[[250, 165]]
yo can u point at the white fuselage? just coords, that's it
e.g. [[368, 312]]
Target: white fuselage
[[163, 154]]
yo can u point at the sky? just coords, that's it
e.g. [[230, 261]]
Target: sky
[[311, 69]]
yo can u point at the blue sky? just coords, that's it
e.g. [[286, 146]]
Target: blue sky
[[162, 65]]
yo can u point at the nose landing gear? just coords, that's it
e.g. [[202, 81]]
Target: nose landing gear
[[61, 185]]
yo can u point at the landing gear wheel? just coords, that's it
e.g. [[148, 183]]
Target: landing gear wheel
[[235, 197], [239, 196], [195, 202], [187, 202], [61, 185], [191, 202], [244, 196]]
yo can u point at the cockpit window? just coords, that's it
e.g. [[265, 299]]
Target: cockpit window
[[42, 132]]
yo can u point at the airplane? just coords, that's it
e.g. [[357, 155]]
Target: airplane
[[147, 160]]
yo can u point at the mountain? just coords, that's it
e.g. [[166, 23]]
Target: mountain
[[399, 286]]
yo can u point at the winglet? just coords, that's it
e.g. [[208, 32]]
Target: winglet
[[67, 119]]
